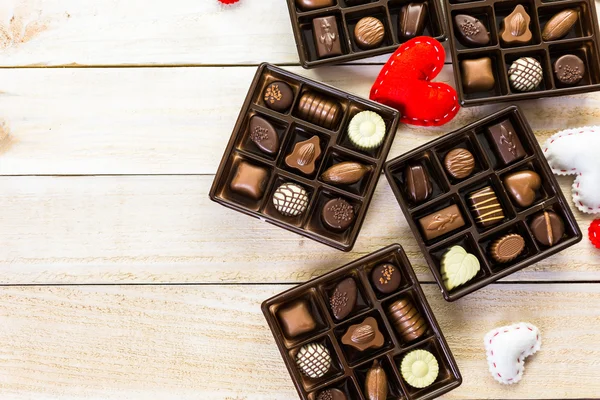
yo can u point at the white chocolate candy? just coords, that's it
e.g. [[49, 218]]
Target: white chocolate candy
[[525, 74], [290, 199], [506, 349], [458, 267], [314, 360], [366, 130], [574, 152]]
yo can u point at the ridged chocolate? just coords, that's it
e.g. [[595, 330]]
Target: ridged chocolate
[[485, 207], [459, 163], [559, 25], [406, 319], [319, 110], [369, 33], [411, 21], [507, 248], [345, 173]]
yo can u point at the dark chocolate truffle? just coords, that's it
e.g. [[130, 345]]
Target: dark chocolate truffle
[[263, 134], [249, 180], [278, 96], [386, 278], [459, 163], [569, 69], [547, 228], [471, 32], [332, 394], [337, 214], [327, 38], [368, 33], [418, 184], [296, 319], [343, 298]]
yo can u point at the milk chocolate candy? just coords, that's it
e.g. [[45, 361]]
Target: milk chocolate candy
[[522, 186], [343, 298], [471, 31], [249, 180], [459, 163], [559, 25], [304, 155], [376, 383], [547, 228], [296, 319], [327, 38], [369, 33], [345, 173], [515, 27], [441, 222], [307, 5], [569, 69], [412, 19], [507, 248], [337, 215], [319, 110], [418, 184], [506, 142], [363, 336], [263, 134], [278, 96], [485, 207], [477, 75], [406, 319]]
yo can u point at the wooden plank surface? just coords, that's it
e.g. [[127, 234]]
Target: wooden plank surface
[[212, 342], [153, 229], [111, 121]]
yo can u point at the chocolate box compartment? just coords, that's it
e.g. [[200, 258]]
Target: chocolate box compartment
[[516, 218], [291, 128], [583, 38], [353, 365], [347, 15]]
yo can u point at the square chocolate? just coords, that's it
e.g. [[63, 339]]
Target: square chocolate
[[292, 161], [514, 202], [296, 319], [383, 327]]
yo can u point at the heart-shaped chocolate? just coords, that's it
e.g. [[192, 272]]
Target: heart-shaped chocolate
[[405, 84], [522, 186]]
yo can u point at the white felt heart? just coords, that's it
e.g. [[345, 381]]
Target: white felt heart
[[574, 152], [507, 347]]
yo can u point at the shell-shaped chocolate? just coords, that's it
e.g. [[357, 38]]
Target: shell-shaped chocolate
[[471, 31], [406, 319], [559, 25], [263, 134], [345, 173], [507, 248]]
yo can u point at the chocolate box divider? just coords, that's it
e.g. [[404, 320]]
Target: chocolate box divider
[[397, 375], [513, 114], [588, 21]]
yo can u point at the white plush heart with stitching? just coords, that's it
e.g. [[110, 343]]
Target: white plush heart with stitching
[[575, 152], [507, 347]]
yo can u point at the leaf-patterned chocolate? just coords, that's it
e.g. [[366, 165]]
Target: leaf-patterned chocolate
[[458, 267]]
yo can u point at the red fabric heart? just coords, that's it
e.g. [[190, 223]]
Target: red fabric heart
[[404, 84]]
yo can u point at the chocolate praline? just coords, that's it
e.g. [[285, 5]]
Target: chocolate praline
[[343, 298], [547, 228], [337, 214], [386, 278], [278, 96]]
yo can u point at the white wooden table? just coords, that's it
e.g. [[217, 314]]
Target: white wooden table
[[121, 280]]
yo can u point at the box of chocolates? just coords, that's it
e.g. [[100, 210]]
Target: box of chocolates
[[305, 156], [363, 331], [482, 202], [334, 31], [514, 50]]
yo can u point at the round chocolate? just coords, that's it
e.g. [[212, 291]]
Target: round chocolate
[[525, 74], [569, 69], [343, 298], [278, 96], [332, 394], [368, 33], [263, 134], [507, 248], [337, 214], [314, 360], [459, 163], [290, 199], [547, 228], [386, 278]]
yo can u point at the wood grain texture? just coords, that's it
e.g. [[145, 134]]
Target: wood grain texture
[[124, 342], [164, 229], [112, 121]]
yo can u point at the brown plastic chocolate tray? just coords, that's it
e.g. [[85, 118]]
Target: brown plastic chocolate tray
[[349, 369], [582, 41], [291, 129], [387, 11], [488, 172]]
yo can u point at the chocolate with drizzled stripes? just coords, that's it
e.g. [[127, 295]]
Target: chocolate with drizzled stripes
[[485, 207]]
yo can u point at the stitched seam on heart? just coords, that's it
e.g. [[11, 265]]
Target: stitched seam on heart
[[573, 171], [408, 47], [504, 330]]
